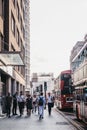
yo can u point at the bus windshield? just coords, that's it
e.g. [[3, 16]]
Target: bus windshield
[[67, 88]]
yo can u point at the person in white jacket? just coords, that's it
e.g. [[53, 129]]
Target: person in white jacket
[[21, 102], [49, 101]]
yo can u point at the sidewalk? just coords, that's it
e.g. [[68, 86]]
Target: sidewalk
[[70, 119], [54, 122]]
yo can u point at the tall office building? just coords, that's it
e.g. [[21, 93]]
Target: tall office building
[[12, 39], [27, 45]]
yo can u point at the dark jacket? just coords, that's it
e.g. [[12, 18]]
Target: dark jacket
[[29, 103]]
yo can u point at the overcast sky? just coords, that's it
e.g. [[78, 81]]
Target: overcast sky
[[55, 27]]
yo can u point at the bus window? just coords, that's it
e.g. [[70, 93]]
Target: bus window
[[67, 90], [78, 97], [85, 97], [85, 94], [85, 90]]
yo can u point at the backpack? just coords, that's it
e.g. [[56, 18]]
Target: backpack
[[40, 103]]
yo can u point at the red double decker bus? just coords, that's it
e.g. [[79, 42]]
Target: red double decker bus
[[64, 90]]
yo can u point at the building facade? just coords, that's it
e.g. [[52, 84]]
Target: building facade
[[12, 29], [76, 49], [42, 82], [78, 53]]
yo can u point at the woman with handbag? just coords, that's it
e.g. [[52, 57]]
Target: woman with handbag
[[29, 104]]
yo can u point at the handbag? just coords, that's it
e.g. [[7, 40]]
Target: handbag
[[52, 104]]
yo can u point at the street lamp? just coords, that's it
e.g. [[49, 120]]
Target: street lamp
[[45, 89]]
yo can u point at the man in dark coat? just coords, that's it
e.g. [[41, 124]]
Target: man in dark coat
[[8, 104], [14, 109], [29, 103]]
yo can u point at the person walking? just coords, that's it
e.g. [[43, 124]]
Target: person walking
[[3, 104], [50, 102], [8, 104], [14, 109], [21, 102], [41, 104], [29, 104], [34, 103]]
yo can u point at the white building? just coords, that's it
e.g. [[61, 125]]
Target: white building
[[45, 83]]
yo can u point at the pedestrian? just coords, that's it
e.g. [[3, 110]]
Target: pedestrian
[[14, 109], [8, 104], [29, 104], [41, 104], [3, 104], [34, 103], [21, 103], [50, 102]]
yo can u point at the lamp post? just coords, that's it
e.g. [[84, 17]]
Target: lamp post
[[45, 89]]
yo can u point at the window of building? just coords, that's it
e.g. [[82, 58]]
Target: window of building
[[6, 46], [23, 50], [12, 48], [1, 42], [21, 24], [23, 33], [17, 36], [17, 87], [14, 2], [21, 4], [1, 8], [23, 13], [13, 24], [17, 11], [23, 71]]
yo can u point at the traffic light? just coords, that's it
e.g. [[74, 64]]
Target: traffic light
[[45, 83], [37, 89], [45, 86], [41, 88]]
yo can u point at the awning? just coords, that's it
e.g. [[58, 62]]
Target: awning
[[9, 58]]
